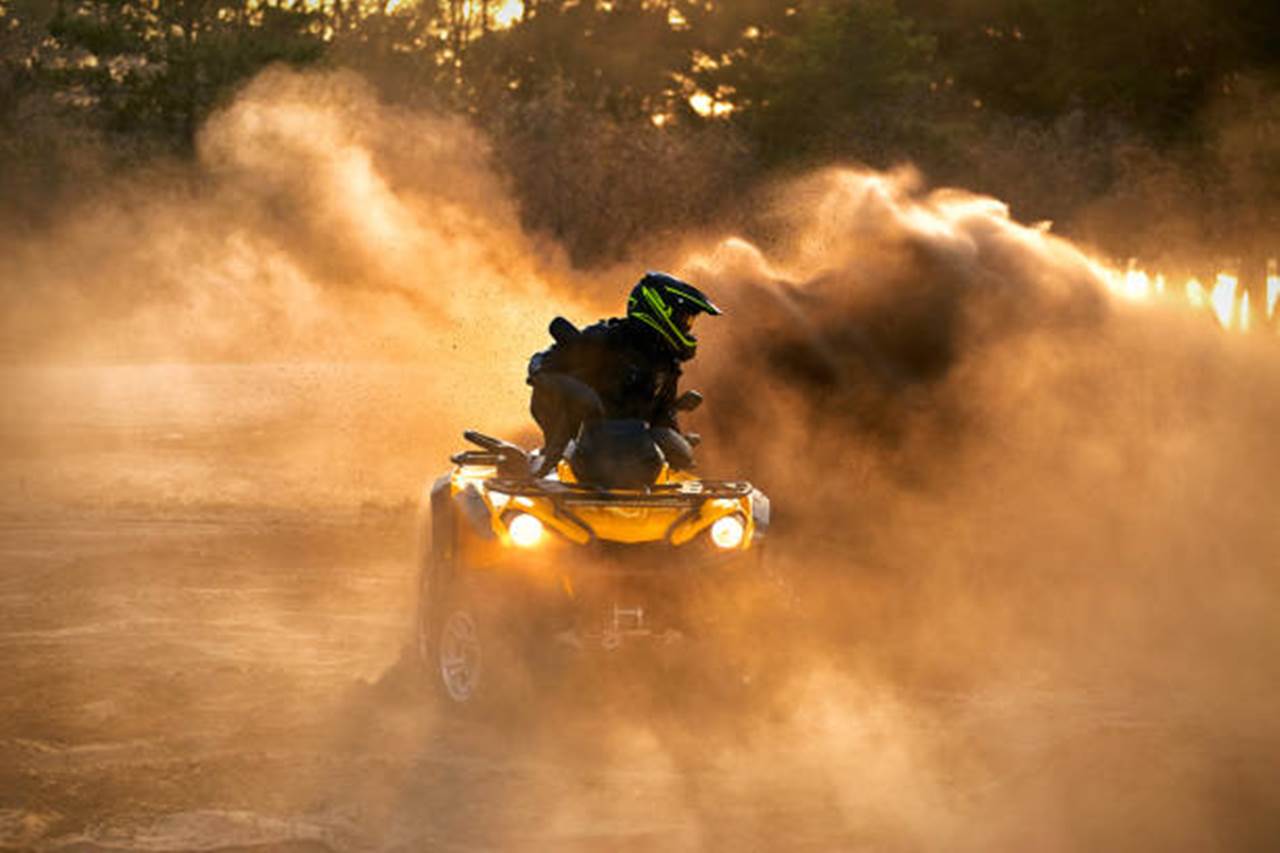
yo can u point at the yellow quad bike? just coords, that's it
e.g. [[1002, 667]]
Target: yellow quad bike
[[520, 575]]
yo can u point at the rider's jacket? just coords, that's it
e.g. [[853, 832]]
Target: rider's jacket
[[624, 361]]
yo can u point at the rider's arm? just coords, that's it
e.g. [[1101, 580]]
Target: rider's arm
[[664, 404], [666, 429]]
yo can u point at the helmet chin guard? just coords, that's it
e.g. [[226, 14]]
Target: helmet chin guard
[[668, 305]]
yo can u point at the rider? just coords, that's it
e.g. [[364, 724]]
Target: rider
[[621, 368]]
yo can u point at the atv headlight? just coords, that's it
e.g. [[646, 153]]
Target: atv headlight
[[525, 530], [728, 532]]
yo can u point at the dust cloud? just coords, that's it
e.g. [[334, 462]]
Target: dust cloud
[[318, 227], [1029, 527], [1000, 481], [316, 224]]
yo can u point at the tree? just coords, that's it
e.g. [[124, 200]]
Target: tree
[[157, 66], [838, 78], [1151, 64]]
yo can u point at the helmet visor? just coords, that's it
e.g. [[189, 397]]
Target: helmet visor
[[684, 321]]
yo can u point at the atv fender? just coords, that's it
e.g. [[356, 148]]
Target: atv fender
[[440, 530], [472, 507]]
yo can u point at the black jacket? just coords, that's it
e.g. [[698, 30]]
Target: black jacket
[[625, 362]]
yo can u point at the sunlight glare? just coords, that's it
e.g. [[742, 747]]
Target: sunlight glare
[[508, 14], [1273, 289], [707, 106], [504, 15], [1223, 299], [1196, 297]]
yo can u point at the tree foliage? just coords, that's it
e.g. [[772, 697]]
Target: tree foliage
[[842, 77], [157, 66]]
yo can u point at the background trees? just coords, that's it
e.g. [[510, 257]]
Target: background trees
[[616, 118]]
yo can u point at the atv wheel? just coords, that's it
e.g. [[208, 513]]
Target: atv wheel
[[460, 657], [472, 655]]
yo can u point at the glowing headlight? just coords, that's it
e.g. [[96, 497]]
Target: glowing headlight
[[727, 532], [525, 530]]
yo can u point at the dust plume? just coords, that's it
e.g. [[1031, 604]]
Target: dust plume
[[317, 223], [997, 481], [317, 227]]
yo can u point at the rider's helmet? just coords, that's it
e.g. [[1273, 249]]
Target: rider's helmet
[[669, 306]]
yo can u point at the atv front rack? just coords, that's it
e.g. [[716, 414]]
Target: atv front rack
[[661, 494]]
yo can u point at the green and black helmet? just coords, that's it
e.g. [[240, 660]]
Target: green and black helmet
[[669, 305]]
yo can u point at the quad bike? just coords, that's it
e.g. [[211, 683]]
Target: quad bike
[[612, 554]]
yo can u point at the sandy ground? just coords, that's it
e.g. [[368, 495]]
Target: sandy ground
[[192, 671]]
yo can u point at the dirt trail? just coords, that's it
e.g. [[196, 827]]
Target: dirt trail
[[161, 696]]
